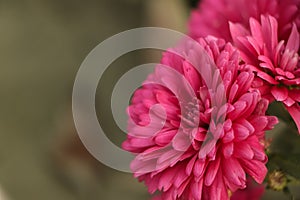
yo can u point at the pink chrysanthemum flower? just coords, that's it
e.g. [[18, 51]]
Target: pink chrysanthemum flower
[[201, 147], [275, 63], [212, 16]]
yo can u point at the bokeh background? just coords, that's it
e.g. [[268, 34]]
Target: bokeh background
[[42, 44]]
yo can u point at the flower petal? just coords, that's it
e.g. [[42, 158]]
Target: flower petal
[[293, 42], [280, 93], [295, 114]]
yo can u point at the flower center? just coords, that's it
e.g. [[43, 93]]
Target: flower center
[[191, 113]]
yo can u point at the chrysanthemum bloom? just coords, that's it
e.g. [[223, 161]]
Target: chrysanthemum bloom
[[201, 147], [252, 192], [212, 17], [275, 63]]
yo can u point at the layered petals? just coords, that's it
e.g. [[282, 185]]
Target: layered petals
[[276, 63], [211, 130], [212, 17]]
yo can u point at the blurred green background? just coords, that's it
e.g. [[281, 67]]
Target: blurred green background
[[42, 44]]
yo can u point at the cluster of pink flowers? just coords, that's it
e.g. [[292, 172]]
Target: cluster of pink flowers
[[197, 125], [267, 34]]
